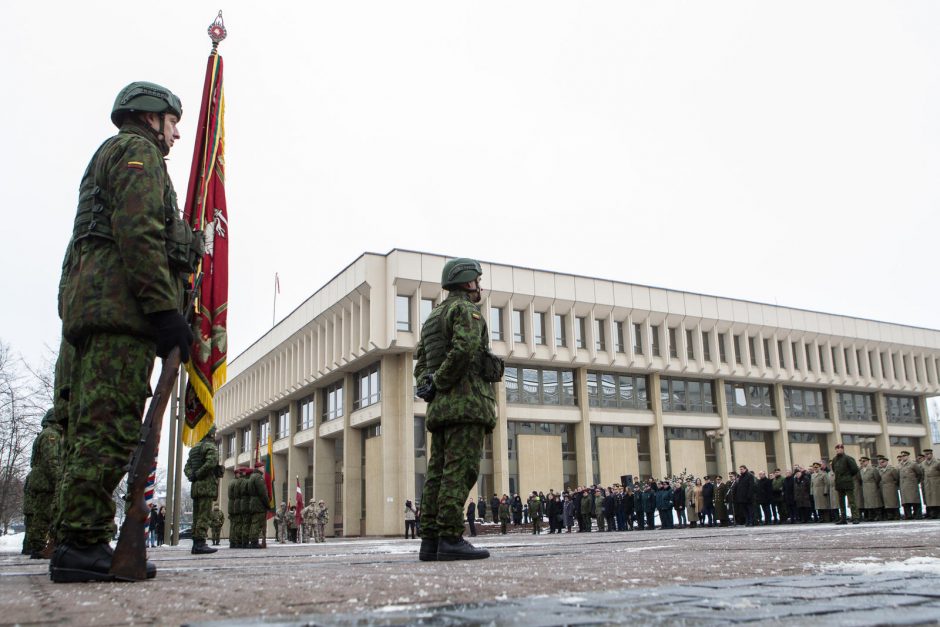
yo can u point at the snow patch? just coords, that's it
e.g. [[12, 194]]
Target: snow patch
[[872, 566], [12, 542]]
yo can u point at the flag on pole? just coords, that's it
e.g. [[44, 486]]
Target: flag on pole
[[206, 211], [298, 517], [269, 476]]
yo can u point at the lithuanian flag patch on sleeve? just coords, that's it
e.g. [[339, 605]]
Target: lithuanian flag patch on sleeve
[[135, 165], [475, 315]]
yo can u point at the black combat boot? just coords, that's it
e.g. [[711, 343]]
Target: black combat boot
[[253, 545], [450, 549], [72, 564], [200, 547], [428, 550]]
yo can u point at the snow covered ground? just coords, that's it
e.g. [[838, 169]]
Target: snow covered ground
[[12, 542]]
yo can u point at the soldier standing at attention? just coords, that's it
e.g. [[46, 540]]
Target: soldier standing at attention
[[201, 469], [454, 370], [845, 468], [257, 493], [233, 509], [41, 482], [871, 490], [321, 517], [120, 301], [216, 520], [910, 474], [889, 488], [931, 469]]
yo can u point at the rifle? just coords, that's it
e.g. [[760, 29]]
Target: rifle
[[129, 562]]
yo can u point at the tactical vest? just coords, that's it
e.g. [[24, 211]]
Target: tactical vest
[[433, 338], [197, 457], [184, 246]]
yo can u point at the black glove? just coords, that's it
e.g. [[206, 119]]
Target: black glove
[[171, 329], [426, 391]]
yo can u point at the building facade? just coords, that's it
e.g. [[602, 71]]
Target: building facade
[[603, 379]]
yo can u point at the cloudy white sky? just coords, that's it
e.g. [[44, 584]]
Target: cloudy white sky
[[778, 152]]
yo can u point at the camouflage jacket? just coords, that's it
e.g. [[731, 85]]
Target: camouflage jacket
[[109, 284], [322, 515], [463, 397], [45, 463], [216, 518], [257, 493], [201, 468]]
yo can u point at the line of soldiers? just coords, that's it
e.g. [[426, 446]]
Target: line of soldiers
[[39, 491], [314, 518], [247, 508]]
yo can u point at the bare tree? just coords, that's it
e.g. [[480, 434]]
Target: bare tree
[[23, 400]]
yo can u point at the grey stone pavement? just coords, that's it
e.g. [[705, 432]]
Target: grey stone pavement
[[870, 574]]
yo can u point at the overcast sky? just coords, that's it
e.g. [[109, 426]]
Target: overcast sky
[[779, 152]]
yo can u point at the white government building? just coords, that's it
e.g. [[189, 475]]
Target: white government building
[[603, 379]]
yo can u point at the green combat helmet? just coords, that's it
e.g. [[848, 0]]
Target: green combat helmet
[[459, 271], [144, 96]]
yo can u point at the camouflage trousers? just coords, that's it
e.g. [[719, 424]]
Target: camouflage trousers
[[257, 526], [202, 518], [236, 528], [110, 381], [216, 534], [318, 532], [847, 495], [37, 512], [452, 470]]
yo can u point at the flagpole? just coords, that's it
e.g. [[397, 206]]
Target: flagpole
[[174, 442]]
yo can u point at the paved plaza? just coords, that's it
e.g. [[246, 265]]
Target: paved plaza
[[870, 574]]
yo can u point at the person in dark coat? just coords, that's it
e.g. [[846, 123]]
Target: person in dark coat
[[481, 509], [610, 510], [554, 513], [639, 507], [516, 510], [721, 501], [765, 496], [745, 488], [789, 498], [494, 508], [663, 500], [708, 502], [678, 503], [629, 504], [802, 496], [472, 517]]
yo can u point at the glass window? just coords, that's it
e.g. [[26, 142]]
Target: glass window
[[805, 403], [599, 343], [283, 424], [403, 313], [496, 324], [796, 361], [780, 358], [540, 386], [263, 428], [752, 349], [538, 327], [654, 340], [686, 395], [737, 348], [305, 417], [722, 349], [579, 332], [766, 343], [689, 344], [560, 339], [230, 440], [333, 401], [809, 356], [637, 338], [822, 357], [749, 399], [835, 361], [623, 391], [427, 305], [902, 409], [367, 386], [518, 325], [706, 346], [618, 337], [856, 406], [673, 343], [246, 439]]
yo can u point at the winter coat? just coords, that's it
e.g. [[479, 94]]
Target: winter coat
[[845, 468], [721, 500], [819, 481], [765, 491], [801, 491], [911, 474], [871, 487], [744, 488], [890, 478], [708, 494], [568, 513], [931, 482]]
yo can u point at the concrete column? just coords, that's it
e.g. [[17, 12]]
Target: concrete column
[[352, 467], [725, 461], [583, 430], [398, 444], [925, 441], [882, 442], [657, 433], [832, 398], [501, 440], [324, 468], [782, 437]]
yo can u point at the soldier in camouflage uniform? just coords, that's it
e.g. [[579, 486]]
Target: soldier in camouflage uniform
[[216, 520], [234, 508], [120, 299], [201, 469], [257, 496], [308, 515], [454, 369], [39, 494], [321, 516], [241, 495]]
